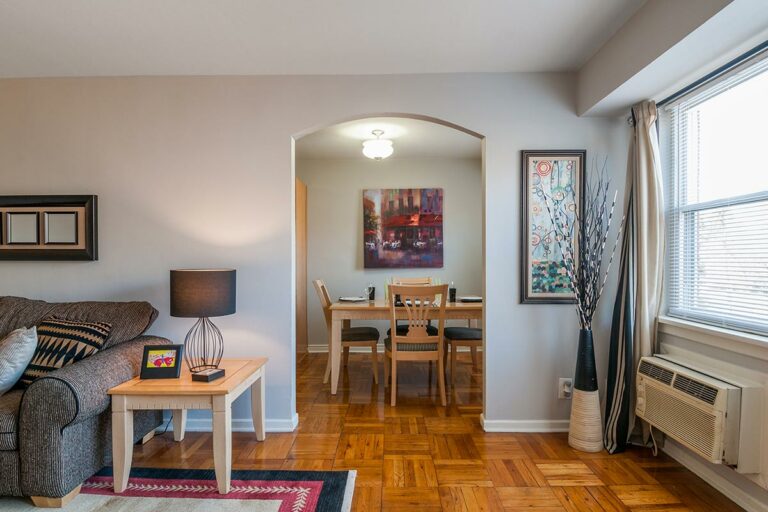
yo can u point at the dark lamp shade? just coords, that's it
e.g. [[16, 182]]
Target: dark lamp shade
[[202, 293]]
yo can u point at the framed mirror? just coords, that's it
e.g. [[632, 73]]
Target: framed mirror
[[48, 228], [61, 228], [22, 228]]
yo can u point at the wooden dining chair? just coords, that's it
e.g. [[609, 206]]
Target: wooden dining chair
[[416, 344], [456, 337], [350, 336], [412, 281]]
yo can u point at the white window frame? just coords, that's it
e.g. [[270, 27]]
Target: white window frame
[[674, 321]]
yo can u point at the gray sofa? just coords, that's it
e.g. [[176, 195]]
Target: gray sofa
[[57, 432]]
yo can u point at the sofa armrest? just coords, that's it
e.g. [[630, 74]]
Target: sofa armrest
[[63, 435], [79, 391]]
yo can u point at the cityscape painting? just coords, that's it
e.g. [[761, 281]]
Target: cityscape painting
[[403, 228]]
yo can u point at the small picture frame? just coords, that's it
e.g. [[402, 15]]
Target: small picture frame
[[162, 361]]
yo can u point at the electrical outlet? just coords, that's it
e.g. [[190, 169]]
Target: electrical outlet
[[565, 388]]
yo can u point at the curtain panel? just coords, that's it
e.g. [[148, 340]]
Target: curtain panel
[[638, 299]]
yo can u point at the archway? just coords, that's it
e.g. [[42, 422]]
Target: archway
[[307, 133]]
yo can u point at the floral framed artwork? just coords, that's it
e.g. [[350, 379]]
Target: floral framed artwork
[[556, 176]]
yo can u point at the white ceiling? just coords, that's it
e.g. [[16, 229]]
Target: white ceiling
[[411, 138], [213, 37]]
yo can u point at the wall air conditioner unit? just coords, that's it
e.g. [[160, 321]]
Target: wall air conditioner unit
[[717, 420]]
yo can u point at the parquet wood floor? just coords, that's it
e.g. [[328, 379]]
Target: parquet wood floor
[[424, 456]]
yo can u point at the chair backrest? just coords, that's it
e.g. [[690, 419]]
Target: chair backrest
[[325, 300], [418, 301], [412, 281]]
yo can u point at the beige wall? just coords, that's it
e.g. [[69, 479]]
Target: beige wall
[[335, 188], [198, 172]]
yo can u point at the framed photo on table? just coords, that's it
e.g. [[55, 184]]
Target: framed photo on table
[[162, 361], [553, 178]]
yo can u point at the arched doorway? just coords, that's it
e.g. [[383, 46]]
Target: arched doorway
[[357, 129]]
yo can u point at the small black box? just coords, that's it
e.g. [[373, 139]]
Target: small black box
[[208, 375]]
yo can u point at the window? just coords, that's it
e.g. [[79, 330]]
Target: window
[[716, 166]]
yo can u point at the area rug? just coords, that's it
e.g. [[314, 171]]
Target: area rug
[[194, 490]]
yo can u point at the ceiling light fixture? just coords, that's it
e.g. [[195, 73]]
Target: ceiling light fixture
[[378, 148]]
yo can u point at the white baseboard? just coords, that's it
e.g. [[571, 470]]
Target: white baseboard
[[323, 349], [241, 425], [739, 489], [524, 425]]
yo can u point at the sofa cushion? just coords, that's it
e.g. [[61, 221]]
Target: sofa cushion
[[16, 351], [63, 342], [128, 319], [9, 419]]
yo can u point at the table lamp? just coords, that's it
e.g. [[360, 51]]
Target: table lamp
[[201, 294]]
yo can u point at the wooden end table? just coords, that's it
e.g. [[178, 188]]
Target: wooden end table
[[180, 395]]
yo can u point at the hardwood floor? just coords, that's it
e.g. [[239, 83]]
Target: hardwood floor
[[421, 455]]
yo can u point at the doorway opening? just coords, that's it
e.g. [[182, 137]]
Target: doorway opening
[[360, 222]]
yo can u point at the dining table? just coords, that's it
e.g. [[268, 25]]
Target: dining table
[[343, 313]]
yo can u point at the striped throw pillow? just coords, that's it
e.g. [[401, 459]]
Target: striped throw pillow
[[61, 343]]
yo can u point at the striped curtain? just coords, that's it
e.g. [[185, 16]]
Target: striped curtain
[[633, 328]]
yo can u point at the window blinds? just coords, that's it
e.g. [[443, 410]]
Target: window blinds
[[716, 169]]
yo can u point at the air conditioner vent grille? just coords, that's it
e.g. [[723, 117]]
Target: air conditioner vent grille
[[696, 389], [656, 372], [683, 421]]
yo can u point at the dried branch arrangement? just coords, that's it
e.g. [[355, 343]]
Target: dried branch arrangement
[[582, 239]]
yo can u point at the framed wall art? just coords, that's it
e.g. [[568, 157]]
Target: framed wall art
[[403, 228], [48, 228], [557, 177]]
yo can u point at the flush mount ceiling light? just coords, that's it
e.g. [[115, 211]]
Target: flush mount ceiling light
[[378, 148]]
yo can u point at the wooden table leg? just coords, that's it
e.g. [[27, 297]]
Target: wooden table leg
[[335, 354], [327, 375], [122, 443], [179, 424], [222, 442], [257, 406]]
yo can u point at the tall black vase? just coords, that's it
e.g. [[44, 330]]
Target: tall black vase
[[586, 426], [586, 372]]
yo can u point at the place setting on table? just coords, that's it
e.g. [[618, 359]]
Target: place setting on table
[[369, 295]]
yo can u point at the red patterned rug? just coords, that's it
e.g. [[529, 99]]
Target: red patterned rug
[[193, 490]]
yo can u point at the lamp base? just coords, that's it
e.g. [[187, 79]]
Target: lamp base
[[203, 346], [208, 375]]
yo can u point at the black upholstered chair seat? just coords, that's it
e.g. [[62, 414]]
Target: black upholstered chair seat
[[463, 333], [402, 330], [360, 334], [410, 347]]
